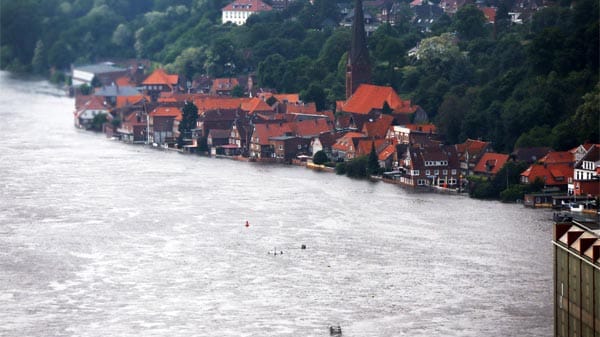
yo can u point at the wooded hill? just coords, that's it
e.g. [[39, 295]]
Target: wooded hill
[[516, 85]]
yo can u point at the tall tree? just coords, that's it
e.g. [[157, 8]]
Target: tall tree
[[373, 162], [188, 122]]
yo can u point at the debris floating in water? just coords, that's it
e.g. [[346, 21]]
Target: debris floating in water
[[247, 224]]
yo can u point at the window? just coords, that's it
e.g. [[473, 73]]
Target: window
[[281, 147], [415, 172], [421, 182], [427, 172], [436, 172], [453, 172], [445, 172]]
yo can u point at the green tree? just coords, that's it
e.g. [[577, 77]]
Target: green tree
[[237, 91], [188, 122], [469, 22], [38, 63], [315, 93], [98, 121], [320, 158], [373, 162]]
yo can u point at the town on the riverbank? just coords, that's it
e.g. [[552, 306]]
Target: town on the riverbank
[[372, 133]]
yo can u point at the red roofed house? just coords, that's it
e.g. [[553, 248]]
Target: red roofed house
[[260, 147], [587, 172], [85, 113], [310, 127], [159, 81], [489, 13], [431, 166], [368, 98], [378, 128], [490, 163], [163, 123], [345, 146], [371, 99], [257, 106], [223, 86], [406, 134], [287, 148], [469, 154], [133, 128], [556, 175], [239, 10]]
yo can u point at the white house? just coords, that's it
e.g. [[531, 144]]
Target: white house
[[239, 10], [85, 114]]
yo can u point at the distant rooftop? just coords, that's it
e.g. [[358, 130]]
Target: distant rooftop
[[100, 68], [114, 90]]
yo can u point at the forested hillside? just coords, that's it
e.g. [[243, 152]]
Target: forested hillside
[[530, 84]]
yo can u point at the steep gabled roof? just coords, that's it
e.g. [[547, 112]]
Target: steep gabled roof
[[160, 77], [491, 163], [267, 130], [365, 145], [379, 127], [387, 152], [224, 84], [558, 157], [344, 142], [551, 175], [472, 147], [247, 6], [255, 105], [369, 97], [204, 103], [166, 111], [312, 127], [427, 128]]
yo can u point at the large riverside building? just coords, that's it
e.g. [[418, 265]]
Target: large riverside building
[[239, 10], [576, 280]]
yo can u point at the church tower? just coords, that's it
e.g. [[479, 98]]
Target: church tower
[[358, 68]]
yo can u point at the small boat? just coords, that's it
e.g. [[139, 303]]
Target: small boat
[[577, 207]]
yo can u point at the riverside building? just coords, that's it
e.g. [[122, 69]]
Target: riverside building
[[576, 279]]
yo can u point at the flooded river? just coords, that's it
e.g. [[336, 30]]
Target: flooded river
[[101, 238]]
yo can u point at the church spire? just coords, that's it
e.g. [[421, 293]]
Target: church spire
[[358, 69]]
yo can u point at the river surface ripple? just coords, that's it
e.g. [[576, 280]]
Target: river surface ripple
[[100, 238]]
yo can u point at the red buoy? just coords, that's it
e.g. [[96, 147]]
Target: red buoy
[[247, 223]]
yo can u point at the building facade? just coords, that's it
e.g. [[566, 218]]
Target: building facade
[[576, 280]]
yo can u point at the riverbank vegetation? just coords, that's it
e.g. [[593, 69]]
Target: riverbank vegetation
[[533, 84]]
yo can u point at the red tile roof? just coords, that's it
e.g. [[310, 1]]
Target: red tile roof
[[556, 157], [128, 100], [204, 103], [255, 105], [94, 103], [427, 128], [551, 175], [159, 76], [387, 152], [268, 130], [224, 84], [368, 97], [471, 146], [163, 111], [346, 141], [247, 6], [491, 160], [379, 127], [489, 13], [365, 145], [310, 127], [308, 108]]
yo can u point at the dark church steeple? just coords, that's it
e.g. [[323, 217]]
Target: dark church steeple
[[358, 69]]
